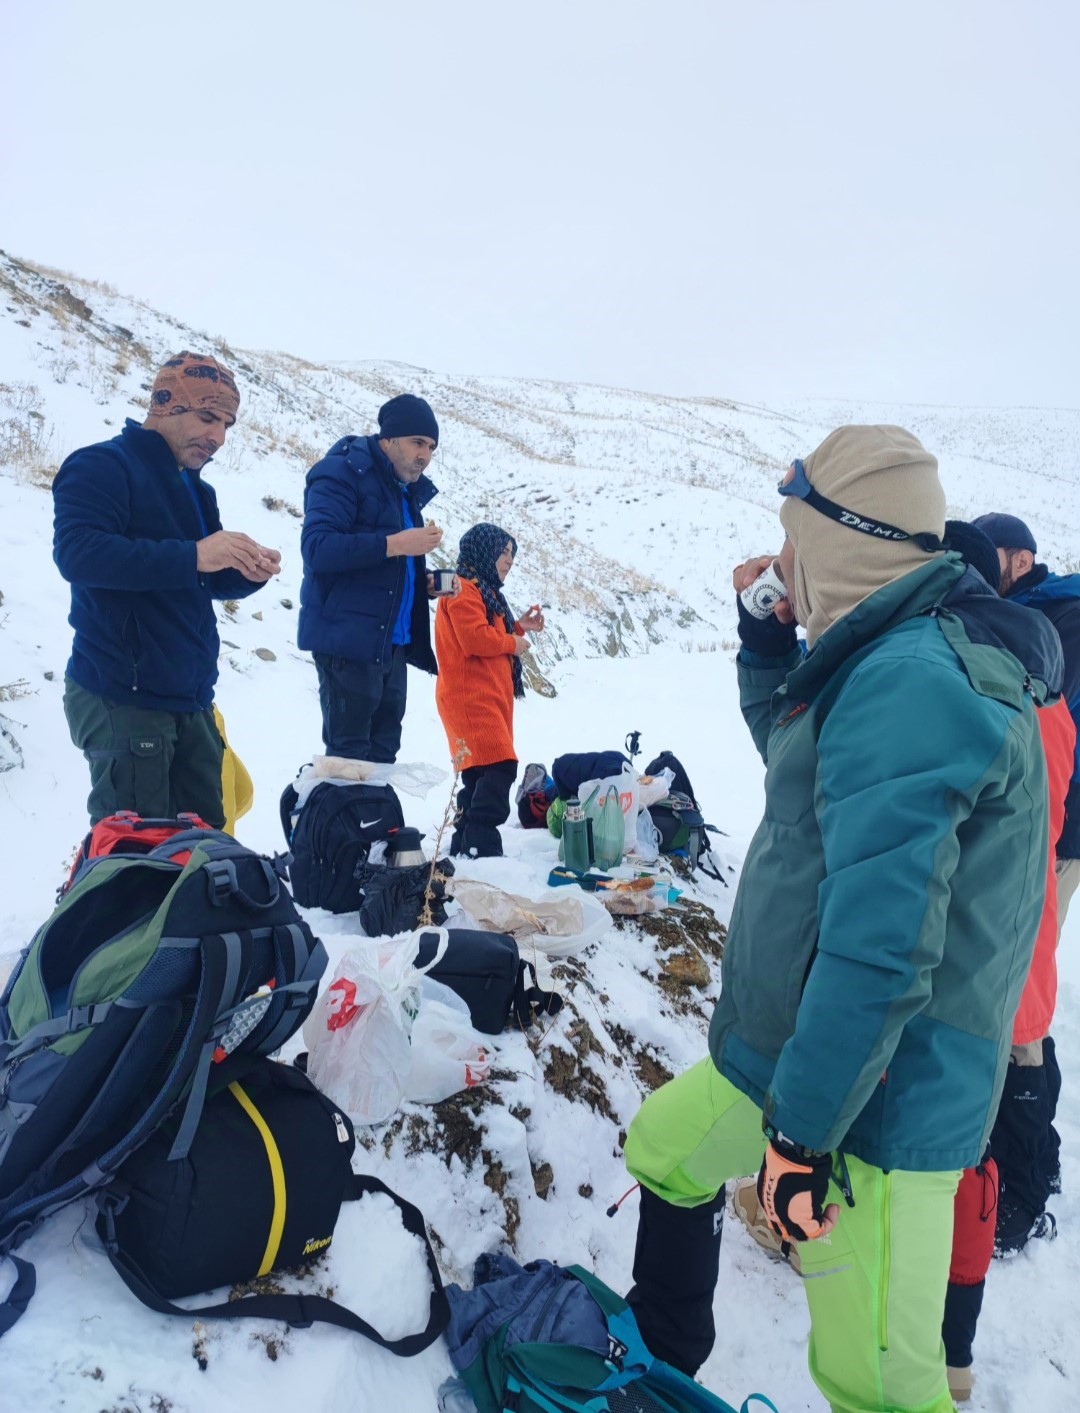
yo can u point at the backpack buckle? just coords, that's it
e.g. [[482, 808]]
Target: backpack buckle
[[110, 1205], [220, 880]]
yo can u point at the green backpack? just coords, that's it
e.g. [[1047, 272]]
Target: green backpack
[[551, 1339]]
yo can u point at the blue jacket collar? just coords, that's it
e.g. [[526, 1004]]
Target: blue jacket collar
[[149, 445], [420, 492], [1041, 586]]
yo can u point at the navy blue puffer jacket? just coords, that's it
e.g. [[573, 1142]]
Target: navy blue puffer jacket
[[352, 591]]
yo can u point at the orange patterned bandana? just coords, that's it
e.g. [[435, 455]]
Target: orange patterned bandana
[[189, 382]]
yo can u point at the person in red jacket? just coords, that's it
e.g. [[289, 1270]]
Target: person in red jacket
[[478, 644], [1013, 1178]]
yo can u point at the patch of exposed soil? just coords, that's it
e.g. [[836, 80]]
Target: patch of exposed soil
[[688, 920], [497, 1179], [650, 1070], [569, 1073]]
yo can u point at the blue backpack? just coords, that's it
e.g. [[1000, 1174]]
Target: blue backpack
[[552, 1339], [154, 970]]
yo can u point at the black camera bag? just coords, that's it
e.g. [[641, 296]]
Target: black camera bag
[[259, 1191], [486, 971]]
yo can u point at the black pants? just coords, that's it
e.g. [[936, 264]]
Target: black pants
[[1025, 1145], [676, 1262], [483, 804], [157, 763], [362, 706]]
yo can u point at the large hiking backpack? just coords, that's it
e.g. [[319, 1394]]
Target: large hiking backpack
[[126, 832], [152, 968], [330, 835], [550, 1339], [679, 820]]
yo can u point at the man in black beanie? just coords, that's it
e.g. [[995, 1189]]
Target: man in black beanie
[[363, 545], [1058, 597]]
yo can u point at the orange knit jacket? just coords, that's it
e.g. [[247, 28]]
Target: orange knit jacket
[[474, 690]]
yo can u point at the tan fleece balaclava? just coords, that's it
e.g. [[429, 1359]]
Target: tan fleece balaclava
[[883, 473]]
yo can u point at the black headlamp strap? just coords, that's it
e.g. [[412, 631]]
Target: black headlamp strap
[[880, 529]]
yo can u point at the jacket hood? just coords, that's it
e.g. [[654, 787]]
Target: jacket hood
[[1000, 623]]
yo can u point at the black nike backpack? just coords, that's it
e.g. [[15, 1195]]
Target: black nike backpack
[[331, 835]]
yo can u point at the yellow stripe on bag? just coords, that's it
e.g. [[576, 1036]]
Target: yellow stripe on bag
[[277, 1174]]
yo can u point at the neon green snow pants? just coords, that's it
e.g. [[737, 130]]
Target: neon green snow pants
[[875, 1286]]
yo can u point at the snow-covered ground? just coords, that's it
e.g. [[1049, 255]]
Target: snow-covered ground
[[655, 492]]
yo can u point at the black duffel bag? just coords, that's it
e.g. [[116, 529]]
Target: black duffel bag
[[259, 1191], [330, 835], [486, 971]]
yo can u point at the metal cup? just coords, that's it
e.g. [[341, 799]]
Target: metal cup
[[444, 580]]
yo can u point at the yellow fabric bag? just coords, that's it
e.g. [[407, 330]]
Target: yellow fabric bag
[[237, 790]]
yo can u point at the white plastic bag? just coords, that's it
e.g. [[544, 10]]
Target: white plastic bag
[[359, 1030], [554, 926], [414, 777], [627, 788], [647, 839], [652, 788], [448, 1055]]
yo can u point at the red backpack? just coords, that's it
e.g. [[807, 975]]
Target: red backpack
[[128, 833]]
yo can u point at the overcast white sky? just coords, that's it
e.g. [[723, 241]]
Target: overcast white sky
[[749, 200]]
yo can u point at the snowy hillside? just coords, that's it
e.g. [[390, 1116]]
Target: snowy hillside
[[630, 509]]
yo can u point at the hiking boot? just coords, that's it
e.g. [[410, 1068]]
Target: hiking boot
[[1009, 1243], [747, 1208], [961, 1382]]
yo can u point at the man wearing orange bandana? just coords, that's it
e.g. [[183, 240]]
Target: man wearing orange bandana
[[138, 536]]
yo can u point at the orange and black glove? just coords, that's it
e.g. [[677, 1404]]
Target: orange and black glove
[[792, 1186]]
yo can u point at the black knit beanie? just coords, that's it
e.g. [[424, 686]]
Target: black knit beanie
[[975, 547], [407, 416]]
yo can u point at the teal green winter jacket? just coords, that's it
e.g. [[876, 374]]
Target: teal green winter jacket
[[888, 905]]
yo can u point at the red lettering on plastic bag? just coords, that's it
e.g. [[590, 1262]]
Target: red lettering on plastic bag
[[342, 1006]]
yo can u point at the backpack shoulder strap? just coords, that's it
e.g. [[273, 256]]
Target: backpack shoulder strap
[[302, 1311], [18, 1297]]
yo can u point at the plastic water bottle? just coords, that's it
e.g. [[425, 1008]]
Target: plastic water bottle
[[576, 837]]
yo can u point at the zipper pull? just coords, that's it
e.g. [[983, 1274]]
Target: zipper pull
[[845, 1181], [342, 1131]]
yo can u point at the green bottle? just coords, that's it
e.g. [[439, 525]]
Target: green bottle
[[575, 837]]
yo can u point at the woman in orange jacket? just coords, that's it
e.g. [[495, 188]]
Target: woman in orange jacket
[[479, 644]]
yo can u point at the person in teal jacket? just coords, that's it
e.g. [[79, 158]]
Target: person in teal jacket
[[881, 933]]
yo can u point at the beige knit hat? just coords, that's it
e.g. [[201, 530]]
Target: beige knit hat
[[884, 474]]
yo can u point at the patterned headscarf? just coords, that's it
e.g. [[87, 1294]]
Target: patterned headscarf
[[190, 382], [478, 551]]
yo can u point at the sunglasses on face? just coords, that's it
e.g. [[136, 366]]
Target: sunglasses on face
[[795, 483]]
